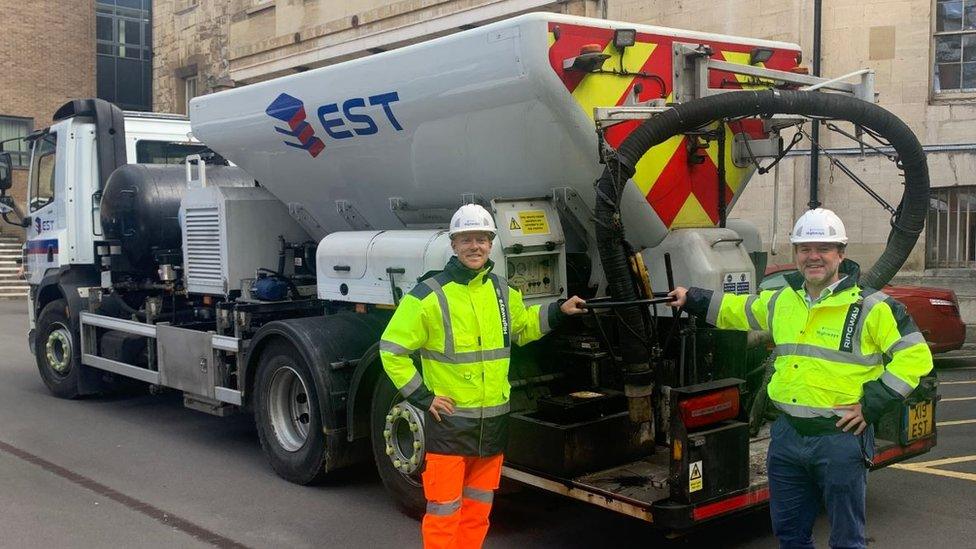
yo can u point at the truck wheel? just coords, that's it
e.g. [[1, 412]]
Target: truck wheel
[[397, 433], [57, 351], [286, 411]]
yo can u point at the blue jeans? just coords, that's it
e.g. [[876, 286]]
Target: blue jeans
[[807, 471]]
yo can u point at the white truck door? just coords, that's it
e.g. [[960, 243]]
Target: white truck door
[[46, 204]]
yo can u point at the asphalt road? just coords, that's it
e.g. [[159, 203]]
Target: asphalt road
[[140, 470]]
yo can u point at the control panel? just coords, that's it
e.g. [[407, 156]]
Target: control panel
[[534, 275], [531, 237]]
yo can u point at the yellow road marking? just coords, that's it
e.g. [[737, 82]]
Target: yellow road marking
[[929, 467], [957, 382], [957, 422], [938, 472], [943, 461], [956, 399]]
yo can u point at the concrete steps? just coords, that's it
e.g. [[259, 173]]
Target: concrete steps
[[11, 285]]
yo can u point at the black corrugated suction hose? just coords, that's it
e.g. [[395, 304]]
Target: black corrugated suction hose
[[700, 112]]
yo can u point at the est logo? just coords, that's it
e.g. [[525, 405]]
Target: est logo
[[41, 225], [355, 116]]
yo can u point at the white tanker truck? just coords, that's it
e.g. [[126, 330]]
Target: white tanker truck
[[259, 274]]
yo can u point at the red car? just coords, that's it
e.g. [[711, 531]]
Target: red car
[[935, 310]]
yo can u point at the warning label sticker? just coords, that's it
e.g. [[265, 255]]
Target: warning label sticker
[[528, 222], [695, 476]]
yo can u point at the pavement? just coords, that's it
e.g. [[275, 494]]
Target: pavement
[[140, 470]]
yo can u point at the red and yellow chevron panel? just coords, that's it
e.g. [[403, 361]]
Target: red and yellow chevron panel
[[682, 194]]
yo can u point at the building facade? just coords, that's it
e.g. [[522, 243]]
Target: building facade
[[922, 52], [46, 59], [124, 45]]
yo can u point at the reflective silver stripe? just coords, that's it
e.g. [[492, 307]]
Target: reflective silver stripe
[[714, 305], [435, 287], [812, 351], [771, 307], [867, 304], [544, 319], [467, 357], [443, 509], [394, 348], [415, 382], [894, 383], [905, 342], [479, 412], [750, 317], [798, 410], [477, 494]]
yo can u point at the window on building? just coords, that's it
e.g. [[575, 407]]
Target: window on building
[[955, 46], [189, 91], [14, 128], [165, 152], [950, 230], [123, 34], [43, 172]]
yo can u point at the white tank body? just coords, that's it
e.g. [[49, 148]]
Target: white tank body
[[482, 112]]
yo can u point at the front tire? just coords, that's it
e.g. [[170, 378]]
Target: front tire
[[286, 411], [57, 351], [397, 434]]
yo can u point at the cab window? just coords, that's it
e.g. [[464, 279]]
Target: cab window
[[43, 171], [165, 152]]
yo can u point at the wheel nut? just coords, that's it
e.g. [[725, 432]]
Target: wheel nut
[[414, 427], [405, 414], [416, 445], [397, 463], [389, 450], [386, 434]]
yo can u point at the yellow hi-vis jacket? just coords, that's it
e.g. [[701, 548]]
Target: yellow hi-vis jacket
[[462, 323], [854, 345]]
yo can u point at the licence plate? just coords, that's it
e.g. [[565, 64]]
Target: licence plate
[[920, 421]]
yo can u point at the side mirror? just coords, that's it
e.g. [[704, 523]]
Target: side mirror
[[6, 172]]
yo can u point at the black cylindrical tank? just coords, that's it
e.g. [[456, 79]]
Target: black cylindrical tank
[[141, 203]]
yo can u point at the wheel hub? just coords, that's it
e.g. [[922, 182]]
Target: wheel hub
[[404, 436], [289, 407], [58, 350]]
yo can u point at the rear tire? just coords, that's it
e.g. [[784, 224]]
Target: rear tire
[[286, 411], [57, 350], [405, 487]]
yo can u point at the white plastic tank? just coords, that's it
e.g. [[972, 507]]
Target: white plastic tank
[[482, 111]]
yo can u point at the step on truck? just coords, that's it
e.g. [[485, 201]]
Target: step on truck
[[251, 256]]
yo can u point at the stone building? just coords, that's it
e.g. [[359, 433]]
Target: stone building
[[46, 59], [923, 53]]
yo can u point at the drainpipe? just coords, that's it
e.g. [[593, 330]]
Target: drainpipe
[[815, 133]]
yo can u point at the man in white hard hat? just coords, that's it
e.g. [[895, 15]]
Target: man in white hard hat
[[463, 321], [845, 356]]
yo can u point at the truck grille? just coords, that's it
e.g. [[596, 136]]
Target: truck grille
[[203, 251]]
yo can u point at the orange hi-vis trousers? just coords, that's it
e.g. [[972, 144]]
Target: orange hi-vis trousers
[[459, 492]]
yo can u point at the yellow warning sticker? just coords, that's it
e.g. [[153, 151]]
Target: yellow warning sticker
[[695, 476], [529, 222]]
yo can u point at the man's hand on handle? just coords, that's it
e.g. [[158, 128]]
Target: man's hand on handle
[[441, 405], [573, 306], [680, 295]]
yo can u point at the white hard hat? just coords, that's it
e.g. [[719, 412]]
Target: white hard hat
[[819, 225], [470, 218]]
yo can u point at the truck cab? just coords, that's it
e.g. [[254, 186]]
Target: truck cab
[[65, 184]]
